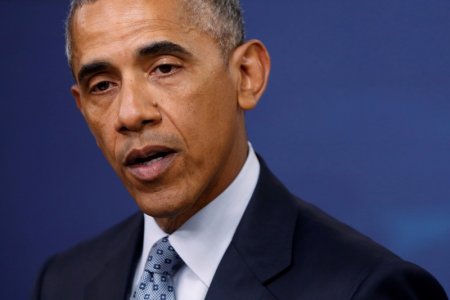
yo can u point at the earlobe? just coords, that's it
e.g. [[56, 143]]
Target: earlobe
[[253, 61]]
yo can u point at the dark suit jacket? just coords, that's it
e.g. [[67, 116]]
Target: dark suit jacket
[[283, 248]]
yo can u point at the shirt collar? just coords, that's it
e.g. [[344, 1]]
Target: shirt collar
[[202, 241]]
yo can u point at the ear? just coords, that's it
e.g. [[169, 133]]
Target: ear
[[253, 64], [75, 90]]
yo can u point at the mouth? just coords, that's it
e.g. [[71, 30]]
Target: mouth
[[150, 162], [146, 158]]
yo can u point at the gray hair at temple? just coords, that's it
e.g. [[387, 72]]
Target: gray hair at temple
[[222, 19]]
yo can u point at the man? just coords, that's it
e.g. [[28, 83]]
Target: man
[[163, 86]]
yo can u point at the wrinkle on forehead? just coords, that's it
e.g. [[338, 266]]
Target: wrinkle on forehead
[[94, 22], [122, 29], [166, 13]]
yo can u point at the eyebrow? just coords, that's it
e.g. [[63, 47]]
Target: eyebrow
[[161, 48], [153, 49], [92, 68]]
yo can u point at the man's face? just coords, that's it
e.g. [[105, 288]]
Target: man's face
[[160, 101]]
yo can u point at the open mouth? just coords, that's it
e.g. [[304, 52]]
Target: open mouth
[[154, 157], [147, 155], [150, 162]]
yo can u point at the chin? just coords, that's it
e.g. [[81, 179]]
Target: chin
[[160, 207]]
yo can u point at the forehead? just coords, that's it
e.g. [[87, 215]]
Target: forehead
[[119, 23], [102, 11]]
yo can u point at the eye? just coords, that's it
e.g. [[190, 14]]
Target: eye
[[165, 69], [100, 87]]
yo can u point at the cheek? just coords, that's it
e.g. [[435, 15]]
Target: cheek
[[102, 128], [205, 114], [204, 104]]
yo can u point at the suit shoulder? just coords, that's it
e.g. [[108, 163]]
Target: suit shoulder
[[68, 273], [318, 226], [352, 265], [108, 239], [399, 280], [327, 242]]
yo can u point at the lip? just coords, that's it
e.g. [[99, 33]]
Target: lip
[[148, 170]]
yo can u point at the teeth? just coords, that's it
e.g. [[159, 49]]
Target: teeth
[[153, 160]]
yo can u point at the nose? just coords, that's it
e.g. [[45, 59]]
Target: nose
[[136, 108]]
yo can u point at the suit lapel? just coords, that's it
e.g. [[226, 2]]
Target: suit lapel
[[114, 277], [236, 281], [262, 245]]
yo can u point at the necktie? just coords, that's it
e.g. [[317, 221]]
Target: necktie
[[156, 281]]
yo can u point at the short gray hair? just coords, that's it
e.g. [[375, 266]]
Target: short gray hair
[[222, 19]]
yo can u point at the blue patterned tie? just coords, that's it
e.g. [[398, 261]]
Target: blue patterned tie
[[156, 281]]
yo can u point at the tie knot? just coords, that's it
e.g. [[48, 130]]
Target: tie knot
[[163, 259]]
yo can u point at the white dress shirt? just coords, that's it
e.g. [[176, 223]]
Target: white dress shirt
[[202, 241]]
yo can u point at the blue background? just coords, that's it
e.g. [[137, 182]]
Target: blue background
[[356, 119]]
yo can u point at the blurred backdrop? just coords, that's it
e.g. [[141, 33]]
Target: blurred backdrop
[[356, 120]]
